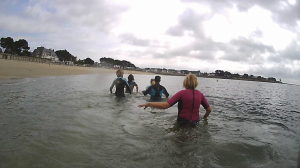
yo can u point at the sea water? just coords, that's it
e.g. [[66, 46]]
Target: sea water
[[74, 121]]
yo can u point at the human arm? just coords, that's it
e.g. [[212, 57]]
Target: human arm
[[112, 86], [159, 105], [127, 85], [147, 91], [128, 88], [166, 92], [137, 88], [206, 106], [208, 110]]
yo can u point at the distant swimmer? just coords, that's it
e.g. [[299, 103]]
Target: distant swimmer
[[189, 101], [132, 84], [120, 83], [156, 90]]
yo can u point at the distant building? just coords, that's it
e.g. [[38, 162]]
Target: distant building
[[173, 71], [197, 73], [42, 52], [211, 74], [185, 72]]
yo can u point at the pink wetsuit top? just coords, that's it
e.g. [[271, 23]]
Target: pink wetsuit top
[[188, 104]]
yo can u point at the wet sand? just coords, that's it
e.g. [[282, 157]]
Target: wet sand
[[14, 69]]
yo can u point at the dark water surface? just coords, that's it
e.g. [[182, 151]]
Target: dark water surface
[[73, 121]]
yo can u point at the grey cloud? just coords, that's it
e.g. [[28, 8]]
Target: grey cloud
[[292, 52], [133, 40], [102, 14], [207, 44], [248, 45], [175, 31], [278, 71], [189, 20], [243, 49], [282, 12], [204, 50], [61, 15], [204, 55], [237, 50], [240, 49], [235, 56], [257, 33]]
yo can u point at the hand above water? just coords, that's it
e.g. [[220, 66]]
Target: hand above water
[[143, 105]]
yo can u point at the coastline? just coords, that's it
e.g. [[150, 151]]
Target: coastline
[[220, 77], [16, 69]]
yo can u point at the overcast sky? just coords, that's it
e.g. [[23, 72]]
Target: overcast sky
[[258, 37]]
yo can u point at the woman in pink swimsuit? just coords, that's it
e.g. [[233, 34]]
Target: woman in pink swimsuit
[[189, 101]]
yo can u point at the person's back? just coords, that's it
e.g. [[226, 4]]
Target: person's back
[[120, 83], [189, 101], [156, 90], [132, 84]]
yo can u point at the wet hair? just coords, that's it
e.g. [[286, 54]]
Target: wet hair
[[190, 81], [157, 79], [130, 78], [120, 73], [152, 82]]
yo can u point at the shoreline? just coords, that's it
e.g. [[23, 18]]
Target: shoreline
[[19, 69], [219, 77], [16, 69]]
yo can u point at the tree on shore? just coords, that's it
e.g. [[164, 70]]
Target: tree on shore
[[64, 55], [112, 62], [8, 45], [245, 76], [89, 61], [220, 73], [79, 62], [19, 47]]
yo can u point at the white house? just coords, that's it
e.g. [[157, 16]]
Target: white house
[[42, 52]]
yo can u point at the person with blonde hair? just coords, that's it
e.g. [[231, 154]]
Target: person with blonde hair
[[189, 101], [120, 83]]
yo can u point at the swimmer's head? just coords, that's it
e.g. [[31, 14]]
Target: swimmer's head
[[152, 82], [130, 77], [120, 73], [190, 81], [157, 79]]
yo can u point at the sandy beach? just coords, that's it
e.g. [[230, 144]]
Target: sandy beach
[[14, 69]]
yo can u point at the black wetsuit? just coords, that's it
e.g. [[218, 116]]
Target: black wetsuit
[[159, 90], [120, 83], [131, 85]]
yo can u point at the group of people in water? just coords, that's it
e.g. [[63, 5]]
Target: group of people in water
[[189, 100]]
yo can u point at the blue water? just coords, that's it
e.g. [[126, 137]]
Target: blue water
[[73, 121]]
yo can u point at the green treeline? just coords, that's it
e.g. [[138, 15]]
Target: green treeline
[[19, 47], [64, 55], [111, 62]]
